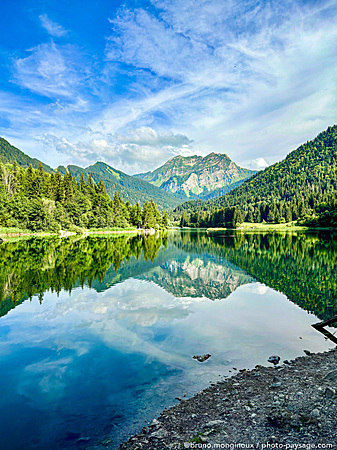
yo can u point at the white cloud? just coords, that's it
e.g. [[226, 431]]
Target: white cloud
[[257, 164], [149, 137], [48, 71], [250, 79], [130, 157], [53, 28]]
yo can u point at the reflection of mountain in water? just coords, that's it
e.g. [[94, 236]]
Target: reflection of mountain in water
[[303, 267], [203, 276]]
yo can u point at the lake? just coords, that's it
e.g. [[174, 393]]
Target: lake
[[98, 333]]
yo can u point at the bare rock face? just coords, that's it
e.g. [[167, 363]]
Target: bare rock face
[[195, 176]]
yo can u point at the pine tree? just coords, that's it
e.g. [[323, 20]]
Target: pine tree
[[82, 183]]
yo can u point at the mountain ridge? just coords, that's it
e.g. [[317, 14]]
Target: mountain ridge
[[301, 186], [130, 188], [9, 154], [196, 176]]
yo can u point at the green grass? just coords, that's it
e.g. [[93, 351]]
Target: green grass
[[290, 226], [13, 230], [111, 229]]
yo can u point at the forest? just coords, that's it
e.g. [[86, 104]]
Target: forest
[[300, 188], [36, 200]]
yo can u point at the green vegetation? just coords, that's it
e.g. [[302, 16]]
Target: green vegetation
[[130, 188], [220, 218], [302, 187], [9, 154], [197, 177], [35, 200]]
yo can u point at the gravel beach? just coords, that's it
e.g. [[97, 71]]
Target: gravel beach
[[290, 405]]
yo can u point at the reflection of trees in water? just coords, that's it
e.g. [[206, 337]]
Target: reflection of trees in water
[[303, 266], [34, 266]]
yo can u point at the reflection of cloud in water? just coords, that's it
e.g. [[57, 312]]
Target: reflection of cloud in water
[[258, 288], [140, 317], [50, 373]]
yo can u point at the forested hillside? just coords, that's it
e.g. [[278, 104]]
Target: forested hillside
[[36, 200], [130, 188], [9, 154], [302, 186]]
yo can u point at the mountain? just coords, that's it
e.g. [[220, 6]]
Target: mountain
[[294, 188], [130, 188], [197, 177], [9, 154]]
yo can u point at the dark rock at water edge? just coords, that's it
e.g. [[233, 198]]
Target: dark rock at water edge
[[202, 358], [274, 359]]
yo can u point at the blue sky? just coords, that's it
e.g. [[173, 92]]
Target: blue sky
[[135, 83]]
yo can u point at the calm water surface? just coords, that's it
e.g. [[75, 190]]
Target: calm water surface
[[98, 333]]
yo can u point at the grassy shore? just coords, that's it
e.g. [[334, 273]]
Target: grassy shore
[[7, 233], [269, 227]]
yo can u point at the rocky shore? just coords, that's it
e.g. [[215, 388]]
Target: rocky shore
[[291, 405]]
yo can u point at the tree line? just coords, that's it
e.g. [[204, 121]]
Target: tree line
[[39, 201], [302, 187]]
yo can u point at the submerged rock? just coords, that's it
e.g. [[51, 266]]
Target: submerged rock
[[202, 358]]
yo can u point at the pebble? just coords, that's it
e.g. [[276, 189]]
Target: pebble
[[329, 392], [331, 376], [315, 412]]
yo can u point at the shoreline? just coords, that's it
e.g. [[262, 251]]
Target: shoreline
[[292, 405], [64, 233]]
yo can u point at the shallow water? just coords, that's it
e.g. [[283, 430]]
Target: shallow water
[[106, 340]]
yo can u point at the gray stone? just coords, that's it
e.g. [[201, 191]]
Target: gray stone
[[315, 412], [214, 423], [159, 434], [331, 376], [329, 392], [307, 352]]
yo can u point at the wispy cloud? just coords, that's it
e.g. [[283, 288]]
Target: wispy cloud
[[132, 153], [48, 71], [253, 79], [53, 28], [149, 137]]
